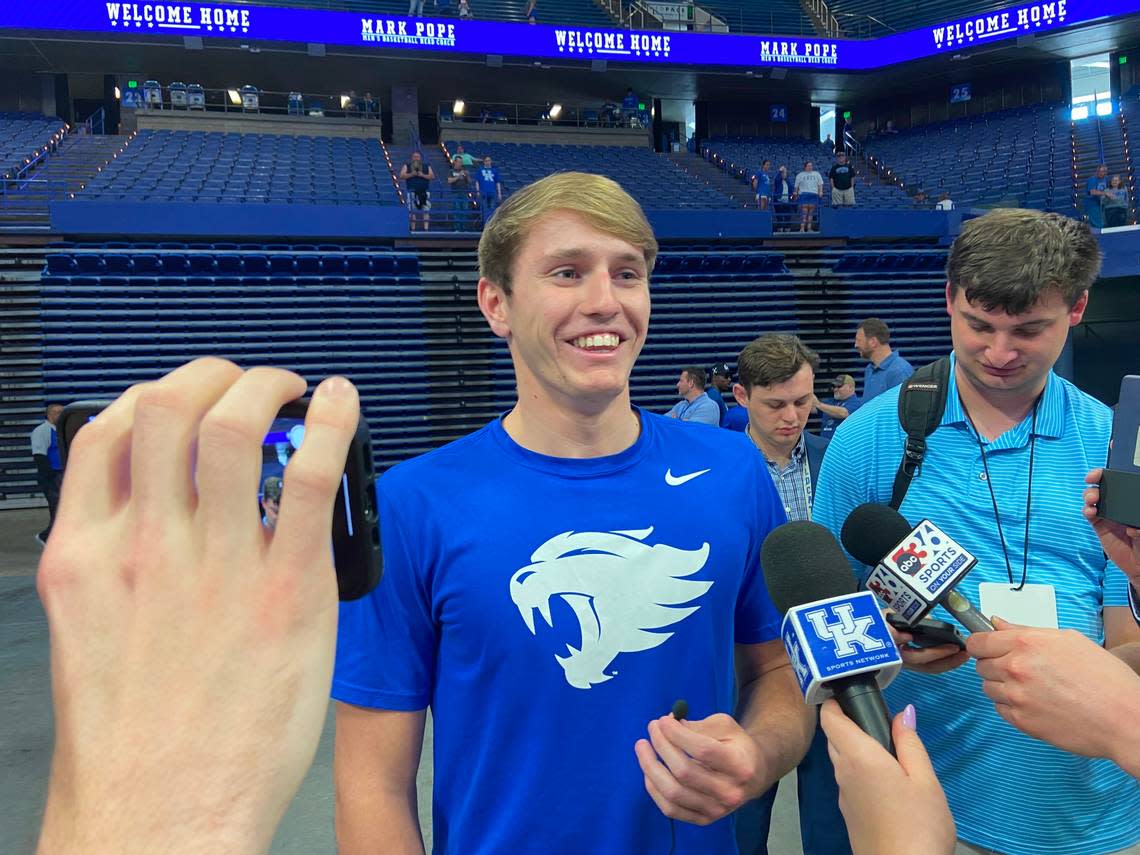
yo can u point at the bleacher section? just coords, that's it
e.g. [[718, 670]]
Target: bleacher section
[[773, 16], [652, 179], [1104, 139], [407, 331], [873, 18], [576, 13], [1012, 158], [742, 157], [23, 136], [190, 166]]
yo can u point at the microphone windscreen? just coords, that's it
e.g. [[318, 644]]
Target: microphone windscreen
[[802, 563], [680, 709], [872, 530]]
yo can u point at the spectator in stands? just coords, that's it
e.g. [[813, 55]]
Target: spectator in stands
[[465, 10], [841, 177], [945, 203], [842, 403], [490, 187], [777, 378], [695, 404], [629, 104], [782, 201], [829, 144], [762, 184], [919, 199], [529, 13], [1094, 194], [418, 176], [885, 368], [459, 183], [809, 186], [351, 104], [890, 128], [415, 8], [461, 153], [1115, 200], [720, 380], [49, 469], [370, 106]]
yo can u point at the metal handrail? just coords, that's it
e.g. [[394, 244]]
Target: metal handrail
[[607, 115]]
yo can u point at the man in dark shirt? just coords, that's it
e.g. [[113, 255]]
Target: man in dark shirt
[[842, 403], [418, 176], [721, 377], [842, 178], [459, 183]]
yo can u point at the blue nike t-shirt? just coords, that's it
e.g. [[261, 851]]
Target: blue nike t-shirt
[[547, 609], [488, 179]]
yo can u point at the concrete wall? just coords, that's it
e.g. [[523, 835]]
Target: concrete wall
[[544, 134], [253, 123]]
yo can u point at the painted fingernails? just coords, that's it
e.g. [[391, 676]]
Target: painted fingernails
[[910, 717]]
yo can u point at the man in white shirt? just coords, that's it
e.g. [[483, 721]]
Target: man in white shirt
[[45, 453], [809, 186]]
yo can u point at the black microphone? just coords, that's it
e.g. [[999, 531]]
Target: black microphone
[[837, 639], [915, 569]]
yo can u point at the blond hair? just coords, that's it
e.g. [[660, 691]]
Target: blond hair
[[1011, 257], [598, 200]]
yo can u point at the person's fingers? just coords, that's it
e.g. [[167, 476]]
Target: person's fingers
[[674, 794], [1094, 477], [670, 809], [165, 430], [928, 655], [996, 691], [843, 735], [910, 751], [989, 645], [689, 772], [229, 456], [315, 472], [992, 669], [96, 481]]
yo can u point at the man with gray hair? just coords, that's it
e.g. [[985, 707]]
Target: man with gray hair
[[1005, 466]]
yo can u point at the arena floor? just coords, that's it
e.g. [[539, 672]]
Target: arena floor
[[26, 725]]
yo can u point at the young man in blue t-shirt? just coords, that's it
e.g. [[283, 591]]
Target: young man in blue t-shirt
[[490, 187], [762, 184], [549, 588]]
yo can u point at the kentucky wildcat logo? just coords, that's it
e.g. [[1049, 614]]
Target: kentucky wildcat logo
[[619, 588]]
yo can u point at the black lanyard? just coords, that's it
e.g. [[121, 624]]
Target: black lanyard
[[1028, 492]]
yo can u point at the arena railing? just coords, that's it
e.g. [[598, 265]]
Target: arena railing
[[606, 115]]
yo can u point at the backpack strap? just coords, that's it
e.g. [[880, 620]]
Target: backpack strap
[[921, 404]]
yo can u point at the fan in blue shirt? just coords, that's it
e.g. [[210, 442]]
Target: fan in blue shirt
[[490, 186], [695, 404], [1003, 474], [549, 590], [842, 403], [885, 369], [762, 184]]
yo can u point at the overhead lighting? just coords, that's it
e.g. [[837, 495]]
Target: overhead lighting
[[555, 111], [235, 98], [458, 107], [118, 94], [1104, 108], [1097, 64], [1080, 113]]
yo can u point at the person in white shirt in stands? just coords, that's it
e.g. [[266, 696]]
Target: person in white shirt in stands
[[945, 203], [809, 186], [695, 404]]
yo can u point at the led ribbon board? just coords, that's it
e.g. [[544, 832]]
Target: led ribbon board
[[271, 23]]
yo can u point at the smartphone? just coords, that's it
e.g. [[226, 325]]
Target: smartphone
[[1120, 485], [928, 632], [356, 524]]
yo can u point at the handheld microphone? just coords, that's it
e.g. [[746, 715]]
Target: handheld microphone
[[837, 640], [915, 569]]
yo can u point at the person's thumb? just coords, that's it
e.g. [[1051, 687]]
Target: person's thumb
[[909, 750], [1002, 623]]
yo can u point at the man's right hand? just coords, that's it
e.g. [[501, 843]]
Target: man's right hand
[[1120, 543]]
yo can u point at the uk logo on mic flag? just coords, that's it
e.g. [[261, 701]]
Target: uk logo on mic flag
[[919, 571], [838, 637]]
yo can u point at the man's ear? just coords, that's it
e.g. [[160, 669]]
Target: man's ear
[[739, 394], [1078, 310], [494, 304]]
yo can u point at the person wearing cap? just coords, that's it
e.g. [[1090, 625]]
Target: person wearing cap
[[842, 403], [270, 501], [720, 384]]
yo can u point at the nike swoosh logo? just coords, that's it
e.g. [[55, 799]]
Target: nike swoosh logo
[[677, 480]]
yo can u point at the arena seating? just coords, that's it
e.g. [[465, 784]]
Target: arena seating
[[773, 16], [398, 323], [742, 156], [1019, 157], [193, 166], [24, 134], [650, 178], [577, 13]]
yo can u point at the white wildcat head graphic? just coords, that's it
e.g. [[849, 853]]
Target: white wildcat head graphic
[[619, 588]]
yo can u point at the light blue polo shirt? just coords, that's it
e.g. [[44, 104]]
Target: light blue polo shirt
[[701, 409], [1008, 791], [889, 373]]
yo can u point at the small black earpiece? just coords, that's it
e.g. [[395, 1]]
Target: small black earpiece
[[680, 709]]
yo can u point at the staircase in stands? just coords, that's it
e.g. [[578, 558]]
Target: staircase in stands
[[79, 157], [727, 185]]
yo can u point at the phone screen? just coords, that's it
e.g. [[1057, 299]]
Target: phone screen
[[281, 443]]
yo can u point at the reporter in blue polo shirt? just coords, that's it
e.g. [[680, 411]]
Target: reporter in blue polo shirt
[[1003, 474], [885, 368]]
